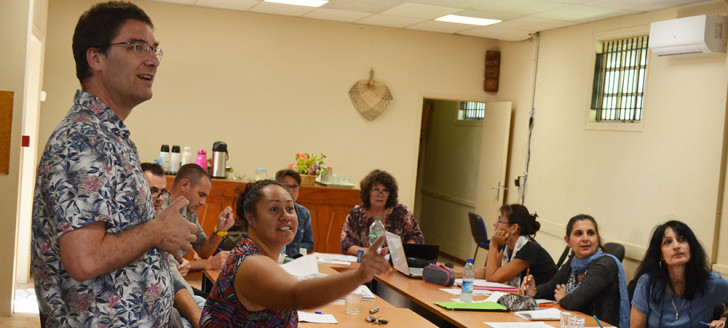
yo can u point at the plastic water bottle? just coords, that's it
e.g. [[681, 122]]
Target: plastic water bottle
[[376, 230], [468, 276]]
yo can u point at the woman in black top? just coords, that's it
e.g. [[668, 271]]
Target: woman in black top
[[515, 229]]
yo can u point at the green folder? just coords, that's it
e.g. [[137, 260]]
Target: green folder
[[479, 306]]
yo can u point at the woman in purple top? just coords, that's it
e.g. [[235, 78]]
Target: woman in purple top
[[252, 289]]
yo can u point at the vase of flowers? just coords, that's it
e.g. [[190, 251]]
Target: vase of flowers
[[309, 167]]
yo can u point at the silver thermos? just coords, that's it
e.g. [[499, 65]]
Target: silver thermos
[[219, 159]]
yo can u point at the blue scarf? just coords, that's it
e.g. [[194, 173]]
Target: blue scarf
[[580, 265]]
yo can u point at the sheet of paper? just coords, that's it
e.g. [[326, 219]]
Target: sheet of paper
[[302, 266], [456, 291], [335, 257], [541, 315], [517, 325], [366, 294], [495, 296], [458, 300], [316, 318]]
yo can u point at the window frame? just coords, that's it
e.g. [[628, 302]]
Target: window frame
[[590, 120]]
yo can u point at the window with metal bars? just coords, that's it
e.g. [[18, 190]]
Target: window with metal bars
[[471, 111], [619, 80]]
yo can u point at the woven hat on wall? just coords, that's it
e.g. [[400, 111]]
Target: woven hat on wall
[[369, 97]]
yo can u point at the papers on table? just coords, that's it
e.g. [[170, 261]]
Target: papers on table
[[517, 325], [302, 268], [483, 284], [366, 294], [477, 306], [316, 318], [335, 258], [541, 315], [456, 291]]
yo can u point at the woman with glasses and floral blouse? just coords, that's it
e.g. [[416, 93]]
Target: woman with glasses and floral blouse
[[378, 199]]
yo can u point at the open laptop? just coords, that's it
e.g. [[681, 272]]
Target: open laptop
[[421, 255], [399, 259]]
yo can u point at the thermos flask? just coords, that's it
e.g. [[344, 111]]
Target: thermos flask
[[219, 159], [202, 159]]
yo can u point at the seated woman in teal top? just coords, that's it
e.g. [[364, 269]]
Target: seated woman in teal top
[[676, 288]]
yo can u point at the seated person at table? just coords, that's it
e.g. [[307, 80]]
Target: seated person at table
[[677, 288], [378, 196], [515, 229], [592, 281], [193, 183], [186, 302], [291, 180], [252, 289]]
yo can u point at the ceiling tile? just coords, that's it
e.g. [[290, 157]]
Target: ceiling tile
[[337, 15], [487, 14], [629, 5], [451, 3], [365, 6], [443, 27], [420, 11], [495, 32], [281, 9], [390, 21], [580, 13], [243, 5], [535, 24], [520, 7]]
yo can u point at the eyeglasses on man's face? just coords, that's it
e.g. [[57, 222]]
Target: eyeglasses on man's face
[[291, 187], [156, 193], [380, 192], [141, 48]]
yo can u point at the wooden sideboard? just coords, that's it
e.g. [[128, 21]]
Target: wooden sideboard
[[328, 205]]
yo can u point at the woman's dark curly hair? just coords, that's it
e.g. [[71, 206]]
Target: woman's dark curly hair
[[518, 214], [246, 200], [378, 177], [696, 271]]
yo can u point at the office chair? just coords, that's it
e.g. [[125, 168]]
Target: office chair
[[480, 235]]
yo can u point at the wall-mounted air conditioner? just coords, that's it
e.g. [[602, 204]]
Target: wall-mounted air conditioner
[[689, 35]]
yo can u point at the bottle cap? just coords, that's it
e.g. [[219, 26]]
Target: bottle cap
[[175, 149], [470, 260], [165, 148]]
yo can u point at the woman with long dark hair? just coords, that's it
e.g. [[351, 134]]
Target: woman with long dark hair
[[676, 288]]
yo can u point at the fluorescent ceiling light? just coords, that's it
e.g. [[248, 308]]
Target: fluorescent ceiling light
[[467, 20], [307, 3]]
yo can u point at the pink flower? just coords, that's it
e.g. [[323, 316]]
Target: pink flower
[[154, 289], [66, 226], [45, 247], [91, 184], [113, 300], [290, 166], [96, 107]]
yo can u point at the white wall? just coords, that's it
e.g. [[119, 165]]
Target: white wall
[[272, 86], [14, 23], [629, 181]]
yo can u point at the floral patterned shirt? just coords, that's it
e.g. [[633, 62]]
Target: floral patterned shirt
[[90, 172], [400, 222]]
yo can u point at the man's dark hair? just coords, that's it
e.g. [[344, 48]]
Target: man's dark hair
[[155, 168], [98, 26], [288, 173], [192, 172]]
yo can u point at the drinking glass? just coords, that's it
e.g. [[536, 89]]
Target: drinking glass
[[566, 318], [577, 321], [353, 303]]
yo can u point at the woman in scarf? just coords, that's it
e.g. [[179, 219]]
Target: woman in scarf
[[677, 288], [592, 282], [515, 229]]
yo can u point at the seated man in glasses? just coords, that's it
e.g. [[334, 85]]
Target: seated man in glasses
[[291, 181], [188, 304]]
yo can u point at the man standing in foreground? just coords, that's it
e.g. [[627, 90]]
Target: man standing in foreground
[[98, 249]]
